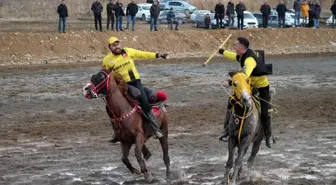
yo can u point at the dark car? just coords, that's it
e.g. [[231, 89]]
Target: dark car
[[199, 21]]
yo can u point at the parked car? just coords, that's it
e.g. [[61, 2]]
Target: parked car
[[329, 20], [162, 19], [195, 13], [274, 21], [249, 21], [143, 11], [179, 6], [199, 21], [259, 18]]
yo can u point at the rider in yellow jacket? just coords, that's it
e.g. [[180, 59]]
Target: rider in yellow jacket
[[121, 61], [256, 70]]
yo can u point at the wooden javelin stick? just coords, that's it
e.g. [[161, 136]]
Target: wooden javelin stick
[[221, 46]]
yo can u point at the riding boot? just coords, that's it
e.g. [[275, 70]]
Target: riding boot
[[226, 123], [268, 133], [152, 119], [114, 138]]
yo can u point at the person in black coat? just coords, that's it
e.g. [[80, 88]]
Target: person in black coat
[[97, 9], [333, 11], [62, 11], [219, 14], [281, 9], [119, 13], [131, 11], [240, 8], [110, 10], [265, 10], [230, 13]]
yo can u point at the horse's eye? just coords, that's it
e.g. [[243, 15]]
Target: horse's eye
[[247, 80], [235, 83]]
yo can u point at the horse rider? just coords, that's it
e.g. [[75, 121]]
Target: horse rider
[[255, 69], [121, 61]]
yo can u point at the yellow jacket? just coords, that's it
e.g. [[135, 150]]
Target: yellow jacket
[[249, 65], [305, 9], [123, 64]]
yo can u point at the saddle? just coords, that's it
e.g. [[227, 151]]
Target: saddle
[[155, 97]]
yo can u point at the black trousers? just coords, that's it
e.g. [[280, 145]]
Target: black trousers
[[265, 21], [98, 19], [146, 107], [281, 21], [240, 23], [219, 21], [110, 21]]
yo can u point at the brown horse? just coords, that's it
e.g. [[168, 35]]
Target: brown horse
[[130, 122]]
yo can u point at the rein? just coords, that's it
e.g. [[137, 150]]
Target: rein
[[243, 118], [106, 83]]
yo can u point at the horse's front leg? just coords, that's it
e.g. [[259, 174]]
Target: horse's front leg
[[125, 148], [239, 160], [229, 163], [240, 171], [140, 139]]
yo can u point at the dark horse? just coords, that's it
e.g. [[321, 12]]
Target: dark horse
[[244, 126], [131, 124]]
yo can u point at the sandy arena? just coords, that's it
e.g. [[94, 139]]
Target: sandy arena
[[50, 134]]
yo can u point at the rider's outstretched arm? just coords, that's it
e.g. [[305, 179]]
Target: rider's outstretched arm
[[134, 53], [228, 54]]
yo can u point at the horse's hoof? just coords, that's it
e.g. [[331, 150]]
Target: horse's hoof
[[136, 171], [149, 178]]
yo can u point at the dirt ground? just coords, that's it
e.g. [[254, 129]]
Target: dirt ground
[[50, 134], [38, 42]]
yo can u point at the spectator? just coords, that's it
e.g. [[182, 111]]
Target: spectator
[[131, 11], [62, 11], [281, 9], [219, 14], [266, 12], [305, 12], [297, 9], [230, 13], [317, 13], [207, 21], [333, 11], [171, 19], [119, 13], [154, 13], [110, 14], [311, 13], [97, 9], [240, 8]]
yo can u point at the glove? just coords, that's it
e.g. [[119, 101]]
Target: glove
[[221, 51], [164, 55]]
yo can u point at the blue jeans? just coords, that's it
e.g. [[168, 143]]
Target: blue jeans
[[61, 19], [153, 23], [316, 23], [129, 19], [119, 23], [297, 19]]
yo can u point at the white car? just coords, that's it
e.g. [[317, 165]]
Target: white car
[[143, 11], [329, 20], [195, 13], [249, 21]]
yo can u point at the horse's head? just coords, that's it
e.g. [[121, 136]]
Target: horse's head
[[242, 87], [104, 83]]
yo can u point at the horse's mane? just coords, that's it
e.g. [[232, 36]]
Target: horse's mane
[[122, 85]]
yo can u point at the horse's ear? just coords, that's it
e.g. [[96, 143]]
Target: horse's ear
[[232, 73]]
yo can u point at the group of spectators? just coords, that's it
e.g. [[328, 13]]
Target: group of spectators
[[230, 13], [309, 10]]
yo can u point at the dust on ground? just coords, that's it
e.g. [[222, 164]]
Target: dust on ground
[[50, 134]]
